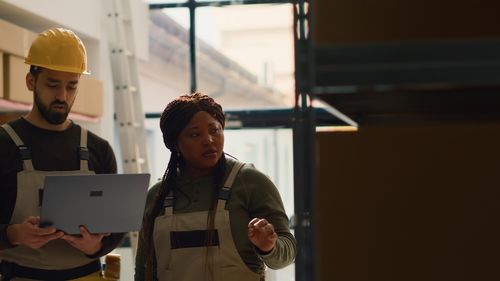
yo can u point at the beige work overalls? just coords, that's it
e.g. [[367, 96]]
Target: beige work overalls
[[177, 260], [57, 254]]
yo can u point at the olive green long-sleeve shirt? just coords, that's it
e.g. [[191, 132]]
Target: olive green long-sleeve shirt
[[252, 195]]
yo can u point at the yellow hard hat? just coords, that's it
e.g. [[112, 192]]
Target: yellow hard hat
[[58, 49]]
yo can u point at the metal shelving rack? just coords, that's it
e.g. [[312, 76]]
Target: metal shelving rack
[[427, 66], [303, 143], [442, 78]]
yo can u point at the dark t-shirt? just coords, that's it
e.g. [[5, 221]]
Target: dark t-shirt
[[50, 151]]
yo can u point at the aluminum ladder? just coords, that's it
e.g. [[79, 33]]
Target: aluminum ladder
[[127, 98]]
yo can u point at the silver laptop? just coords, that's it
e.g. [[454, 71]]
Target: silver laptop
[[103, 203]]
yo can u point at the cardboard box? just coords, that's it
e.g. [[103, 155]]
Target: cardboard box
[[89, 100], [410, 201], [15, 40], [15, 80]]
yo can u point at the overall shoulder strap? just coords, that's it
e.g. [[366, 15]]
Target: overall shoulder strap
[[226, 190], [84, 151], [23, 149], [168, 203], [232, 175]]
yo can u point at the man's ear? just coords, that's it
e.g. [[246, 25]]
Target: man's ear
[[30, 81]]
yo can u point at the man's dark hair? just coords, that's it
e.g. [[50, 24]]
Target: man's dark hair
[[35, 70]]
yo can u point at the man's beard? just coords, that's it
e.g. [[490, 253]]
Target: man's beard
[[55, 118]]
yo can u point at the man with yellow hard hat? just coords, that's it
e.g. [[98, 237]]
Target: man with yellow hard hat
[[46, 142]]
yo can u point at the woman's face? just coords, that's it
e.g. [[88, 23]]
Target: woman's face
[[201, 144]]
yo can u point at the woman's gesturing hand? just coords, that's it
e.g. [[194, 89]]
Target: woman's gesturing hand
[[261, 233]]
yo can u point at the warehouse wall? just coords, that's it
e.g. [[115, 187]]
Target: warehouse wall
[[413, 202]]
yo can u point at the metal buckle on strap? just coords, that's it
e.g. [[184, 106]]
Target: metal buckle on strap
[[84, 153], [168, 202], [25, 152], [224, 193]]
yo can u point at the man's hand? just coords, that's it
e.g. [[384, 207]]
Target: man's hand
[[87, 243], [261, 233], [28, 233]]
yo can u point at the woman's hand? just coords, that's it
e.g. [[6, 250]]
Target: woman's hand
[[261, 233]]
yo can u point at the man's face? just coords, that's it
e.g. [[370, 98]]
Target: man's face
[[54, 93]]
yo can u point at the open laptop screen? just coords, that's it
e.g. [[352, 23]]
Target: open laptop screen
[[102, 203]]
